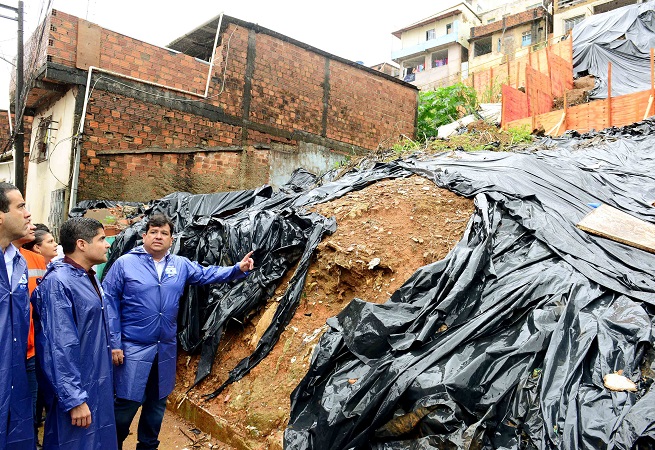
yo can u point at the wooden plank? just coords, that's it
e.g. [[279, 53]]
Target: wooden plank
[[88, 45], [610, 223], [609, 95]]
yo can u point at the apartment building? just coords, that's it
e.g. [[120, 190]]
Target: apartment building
[[435, 51], [569, 12], [471, 35], [509, 31]]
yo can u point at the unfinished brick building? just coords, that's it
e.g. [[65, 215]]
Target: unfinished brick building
[[159, 119]]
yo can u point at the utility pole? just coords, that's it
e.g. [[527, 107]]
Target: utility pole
[[19, 139]]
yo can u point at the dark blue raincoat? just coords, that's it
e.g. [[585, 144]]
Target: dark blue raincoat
[[16, 425], [72, 339], [146, 309]]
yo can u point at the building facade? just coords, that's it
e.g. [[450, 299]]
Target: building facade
[[125, 120], [508, 32], [435, 51], [569, 12], [445, 48]]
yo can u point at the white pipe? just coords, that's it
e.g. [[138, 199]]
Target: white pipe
[[211, 62], [76, 167]]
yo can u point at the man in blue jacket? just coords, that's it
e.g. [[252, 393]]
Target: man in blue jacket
[[16, 430], [144, 287], [72, 339]]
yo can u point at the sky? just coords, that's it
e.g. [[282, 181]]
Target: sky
[[358, 30]]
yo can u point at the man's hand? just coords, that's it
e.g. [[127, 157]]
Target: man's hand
[[247, 263], [117, 357], [81, 416]]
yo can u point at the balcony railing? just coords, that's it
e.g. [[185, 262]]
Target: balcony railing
[[421, 47]]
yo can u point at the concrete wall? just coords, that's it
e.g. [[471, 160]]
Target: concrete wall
[[53, 173], [510, 45], [142, 141], [560, 17], [444, 75], [284, 159], [418, 35]]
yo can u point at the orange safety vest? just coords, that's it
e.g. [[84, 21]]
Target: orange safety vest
[[35, 269]]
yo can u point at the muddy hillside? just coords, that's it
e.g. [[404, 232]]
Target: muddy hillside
[[385, 232]]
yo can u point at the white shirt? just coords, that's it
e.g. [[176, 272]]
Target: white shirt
[[159, 265], [10, 253]]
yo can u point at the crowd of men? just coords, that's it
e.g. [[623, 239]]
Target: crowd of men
[[100, 351]]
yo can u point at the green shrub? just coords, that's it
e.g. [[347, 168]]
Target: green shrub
[[443, 106], [520, 135]]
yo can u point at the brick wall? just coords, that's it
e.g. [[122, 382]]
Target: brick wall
[[265, 89], [120, 53], [5, 137], [366, 110], [508, 22]]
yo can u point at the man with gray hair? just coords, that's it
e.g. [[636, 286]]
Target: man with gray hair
[[16, 431], [73, 343]]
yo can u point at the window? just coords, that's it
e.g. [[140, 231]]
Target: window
[[492, 20], [430, 34], [413, 67], [570, 23], [482, 47], [42, 142], [526, 38], [449, 28], [439, 58]]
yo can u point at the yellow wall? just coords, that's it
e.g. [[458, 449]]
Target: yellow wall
[[495, 57]]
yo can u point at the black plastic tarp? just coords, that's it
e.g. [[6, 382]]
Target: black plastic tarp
[[505, 342], [82, 207], [220, 228], [622, 37]]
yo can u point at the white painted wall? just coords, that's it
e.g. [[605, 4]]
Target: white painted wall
[[54, 172], [560, 17], [7, 171]]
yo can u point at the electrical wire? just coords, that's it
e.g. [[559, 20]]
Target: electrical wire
[[50, 159]]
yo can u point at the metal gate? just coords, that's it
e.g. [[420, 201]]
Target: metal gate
[[56, 217]]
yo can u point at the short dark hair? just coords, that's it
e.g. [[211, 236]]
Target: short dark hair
[[159, 220], [40, 226], [4, 200], [78, 228], [39, 236]]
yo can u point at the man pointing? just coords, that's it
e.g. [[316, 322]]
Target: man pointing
[[144, 287]]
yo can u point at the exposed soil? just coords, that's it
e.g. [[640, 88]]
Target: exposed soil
[[385, 233], [578, 95], [588, 82]]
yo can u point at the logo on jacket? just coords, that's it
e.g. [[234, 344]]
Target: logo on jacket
[[22, 283], [170, 271]]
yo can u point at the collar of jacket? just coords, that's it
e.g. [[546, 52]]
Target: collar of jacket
[[142, 251]]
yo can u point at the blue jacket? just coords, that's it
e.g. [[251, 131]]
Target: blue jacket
[[15, 396], [71, 334], [144, 310]]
